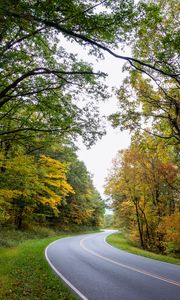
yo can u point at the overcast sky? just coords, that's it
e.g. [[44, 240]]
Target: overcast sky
[[98, 159]]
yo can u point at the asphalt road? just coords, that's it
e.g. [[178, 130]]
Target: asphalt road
[[98, 271]]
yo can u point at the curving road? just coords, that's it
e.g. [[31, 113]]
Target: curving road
[[95, 270]]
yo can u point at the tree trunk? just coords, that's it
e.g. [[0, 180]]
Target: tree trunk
[[139, 224], [20, 218]]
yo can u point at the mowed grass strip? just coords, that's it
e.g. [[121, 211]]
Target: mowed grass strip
[[25, 274], [119, 241]]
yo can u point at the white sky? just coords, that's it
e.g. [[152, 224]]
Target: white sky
[[98, 159]]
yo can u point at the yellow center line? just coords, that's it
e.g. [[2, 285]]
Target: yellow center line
[[141, 271]]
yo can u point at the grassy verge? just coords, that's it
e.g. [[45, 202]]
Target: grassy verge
[[118, 240], [25, 274], [10, 237]]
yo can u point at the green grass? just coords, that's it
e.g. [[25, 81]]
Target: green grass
[[119, 241], [25, 274], [11, 237], [24, 271]]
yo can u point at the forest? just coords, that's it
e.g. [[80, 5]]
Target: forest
[[49, 99]]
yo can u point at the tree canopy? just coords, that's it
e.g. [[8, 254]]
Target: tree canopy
[[147, 95], [49, 97], [41, 82]]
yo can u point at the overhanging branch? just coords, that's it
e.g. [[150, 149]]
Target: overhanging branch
[[90, 41]]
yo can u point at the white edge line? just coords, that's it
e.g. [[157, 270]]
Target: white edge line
[[61, 276]]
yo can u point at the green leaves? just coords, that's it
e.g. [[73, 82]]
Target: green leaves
[[85, 207], [151, 95], [39, 75]]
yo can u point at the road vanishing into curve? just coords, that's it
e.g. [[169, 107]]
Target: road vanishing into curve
[[95, 270]]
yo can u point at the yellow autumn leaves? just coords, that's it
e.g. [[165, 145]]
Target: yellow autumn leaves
[[29, 181], [55, 185], [144, 189]]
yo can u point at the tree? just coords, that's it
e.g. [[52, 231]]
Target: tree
[[170, 226], [85, 207], [144, 188], [36, 88], [150, 95], [109, 221], [37, 69], [26, 184]]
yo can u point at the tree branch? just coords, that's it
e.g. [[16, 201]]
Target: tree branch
[[37, 130], [40, 71], [90, 41], [14, 42], [100, 46]]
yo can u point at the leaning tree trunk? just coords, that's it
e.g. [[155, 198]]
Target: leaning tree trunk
[[139, 223]]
